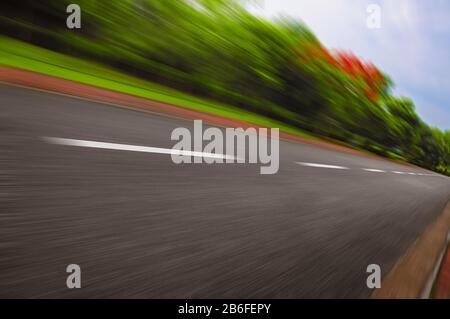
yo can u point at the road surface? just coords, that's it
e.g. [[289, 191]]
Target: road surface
[[141, 226]]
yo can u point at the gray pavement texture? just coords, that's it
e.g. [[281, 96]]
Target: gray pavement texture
[[141, 226]]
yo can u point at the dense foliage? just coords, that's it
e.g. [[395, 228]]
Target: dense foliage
[[219, 50]]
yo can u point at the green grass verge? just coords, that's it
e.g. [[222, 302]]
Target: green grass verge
[[25, 56]]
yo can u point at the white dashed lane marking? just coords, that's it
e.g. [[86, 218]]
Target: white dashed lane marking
[[146, 149], [373, 170]]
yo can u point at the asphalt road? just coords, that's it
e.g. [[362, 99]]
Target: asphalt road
[[141, 226]]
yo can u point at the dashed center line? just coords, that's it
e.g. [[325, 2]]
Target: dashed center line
[[321, 165], [146, 149], [374, 170]]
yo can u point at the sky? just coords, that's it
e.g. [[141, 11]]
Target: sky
[[412, 44]]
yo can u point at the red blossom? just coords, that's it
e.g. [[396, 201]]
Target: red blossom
[[348, 63]]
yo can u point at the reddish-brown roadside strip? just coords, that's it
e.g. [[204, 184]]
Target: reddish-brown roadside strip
[[411, 275], [443, 282], [49, 83]]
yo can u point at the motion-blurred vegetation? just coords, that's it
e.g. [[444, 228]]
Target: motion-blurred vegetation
[[216, 49]]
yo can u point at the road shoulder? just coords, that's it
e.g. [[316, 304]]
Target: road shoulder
[[414, 274]]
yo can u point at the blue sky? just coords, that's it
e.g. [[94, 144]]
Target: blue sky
[[412, 45]]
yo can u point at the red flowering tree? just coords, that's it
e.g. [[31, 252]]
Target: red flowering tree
[[374, 82]]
